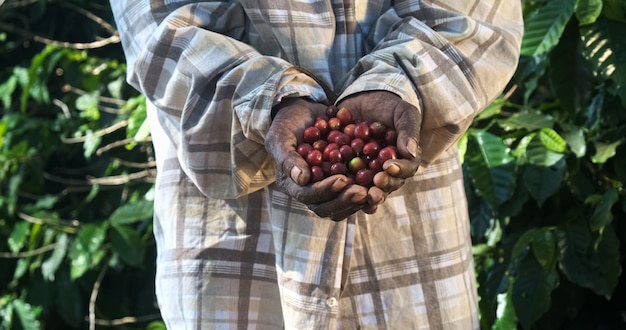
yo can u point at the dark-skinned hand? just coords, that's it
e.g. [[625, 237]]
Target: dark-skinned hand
[[389, 109], [333, 197]]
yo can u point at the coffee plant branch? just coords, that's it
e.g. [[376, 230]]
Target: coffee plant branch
[[63, 44], [27, 254]]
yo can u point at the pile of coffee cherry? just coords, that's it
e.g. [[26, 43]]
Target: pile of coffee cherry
[[338, 144]]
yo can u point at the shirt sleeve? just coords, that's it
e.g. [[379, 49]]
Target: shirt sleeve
[[213, 93], [450, 58]]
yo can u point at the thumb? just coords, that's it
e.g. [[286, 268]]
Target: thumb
[[408, 123], [296, 168], [289, 163]]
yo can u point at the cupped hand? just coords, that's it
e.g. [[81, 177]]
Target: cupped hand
[[334, 197], [389, 109]]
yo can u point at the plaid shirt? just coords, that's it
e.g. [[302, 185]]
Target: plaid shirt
[[233, 251]]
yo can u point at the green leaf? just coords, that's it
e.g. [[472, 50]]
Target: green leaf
[[575, 138], [46, 202], [490, 166], [14, 184], [570, 74], [40, 68], [522, 244], [85, 248], [584, 264], [528, 120], [493, 109], [156, 325], [88, 103], [80, 264], [138, 115], [530, 70], [18, 236], [143, 132], [543, 181], [3, 128], [35, 235], [593, 111], [552, 140], [516, 203], [461, 145], [605, 50], [538, 154], [68, 300], [50, 266], [545, 248], [580, 185], [20, 269], [602, 215], [115, 87], [48, 236], [506, 317], [491, 284], [93, 192], [91, 144], [128, 244], [542, 243], [6, 91], [604, 151], [129, 213], [543, 28], [614, 9], [531, 290], [522, 145], [587, 11], [607, 261], [481, 218], [6, 312], [619, 166], [27, 315], [492, 150], [21, 74]]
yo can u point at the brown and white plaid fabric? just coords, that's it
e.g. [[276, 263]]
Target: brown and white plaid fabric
[[234, 252]]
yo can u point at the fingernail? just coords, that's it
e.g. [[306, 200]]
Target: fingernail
[[393, 169], [339, 184], [412, 147], [358, 198], [295, 174]]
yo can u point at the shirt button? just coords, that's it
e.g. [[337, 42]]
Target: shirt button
[[331, 302]]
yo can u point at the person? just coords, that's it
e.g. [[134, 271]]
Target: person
[[244, 240]]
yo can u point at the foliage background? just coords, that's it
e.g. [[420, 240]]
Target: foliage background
[[545, 170]]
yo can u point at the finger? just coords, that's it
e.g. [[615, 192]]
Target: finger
[[408, 122], [282, 147], [387, 183], [296, 168], [282, 138], [317, 193], [401, 168], [375, 197], [349, 201], [370, 209], [396, 171]]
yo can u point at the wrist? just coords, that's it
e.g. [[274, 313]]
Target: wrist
[[289, 102]]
